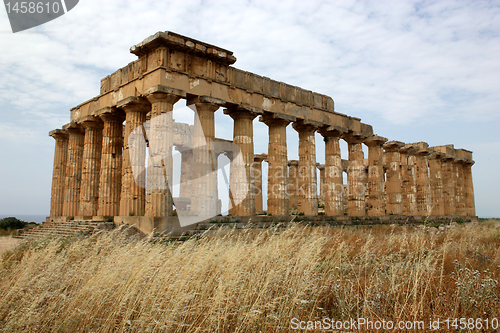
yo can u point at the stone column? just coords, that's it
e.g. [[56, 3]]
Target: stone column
[[436, 182], [423, 182], [321, 197], [257, 181], [460, 205], [408, 179], [277, 175], [89, 193], [159, 201], [332, 184], [307, 188], [293, 184], [204, 184], [59, 172], [356, 175], [240, 184], [469, 189], [376, 200], [448, 185], [73, 169], [185, 190], [111, 162], [393, 178], [133, 195]]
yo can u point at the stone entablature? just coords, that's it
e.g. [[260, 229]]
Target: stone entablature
[[168, 59], [93, 172]]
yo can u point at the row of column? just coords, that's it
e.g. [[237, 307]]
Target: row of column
[[94, 172]]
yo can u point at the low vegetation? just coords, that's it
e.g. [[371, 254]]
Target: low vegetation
[[251, 281]]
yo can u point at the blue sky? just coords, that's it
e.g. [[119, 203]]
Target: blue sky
[[416, 71]]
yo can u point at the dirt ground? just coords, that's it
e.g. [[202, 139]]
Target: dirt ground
[[7, 243]]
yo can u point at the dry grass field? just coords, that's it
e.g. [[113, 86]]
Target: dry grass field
[[8, 243], [252, 281]]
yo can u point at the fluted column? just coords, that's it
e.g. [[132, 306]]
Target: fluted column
[[332, 184], [307, 188], [448, 185], [356, 175], [393, 178], [460, 205], [132, 198], [277, 199], [408, 179], [73, 169], [241, 175], [111, 162], [159, 201], [293, 184], [469, 189], [376, 200], [89, 193], [204, 184], [423, 183], [257, 181], [59, 172], [185, 190], [436, 182]]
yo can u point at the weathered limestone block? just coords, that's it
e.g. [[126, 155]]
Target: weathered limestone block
[[277, 199], [333, 188], [73, 169], [393, 178], [436, 182], [459, 175], [257, 181], [307, 188], [111, 162], [89, 193], [293, 185], [59, 172], [133, 195], [240, 185], [356, 175], [376, 199]]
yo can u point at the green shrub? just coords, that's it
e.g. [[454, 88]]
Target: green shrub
[[9, 223]]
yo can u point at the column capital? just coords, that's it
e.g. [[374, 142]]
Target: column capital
[[332, 132], [423, 152], [163, 93], [306, 125], [393, 146], [73, 128], [408, 149], [374, 141], [277, 118], [260, 157], [239, 113], [354, 137], [90, 122], [59, 134], [436, 155], [214, 102], [110, 114], [134, 104]]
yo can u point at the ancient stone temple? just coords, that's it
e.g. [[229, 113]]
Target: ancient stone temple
[[113, 159]]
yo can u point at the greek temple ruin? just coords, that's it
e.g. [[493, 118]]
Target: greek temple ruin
[[96, 177]]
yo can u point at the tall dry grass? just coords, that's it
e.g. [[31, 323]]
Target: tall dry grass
[[251, 281]]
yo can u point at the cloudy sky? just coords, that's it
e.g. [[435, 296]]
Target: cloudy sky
[[416, 71]]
